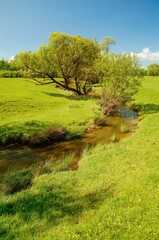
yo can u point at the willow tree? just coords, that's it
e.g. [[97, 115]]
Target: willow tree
[[71, 58]]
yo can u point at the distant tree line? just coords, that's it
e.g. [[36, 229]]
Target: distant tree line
[[5, 65], [153, 69], [7, 70]]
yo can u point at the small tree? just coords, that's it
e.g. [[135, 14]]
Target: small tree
[[153, 69], [106, 44], [71, 58], [120, 79]]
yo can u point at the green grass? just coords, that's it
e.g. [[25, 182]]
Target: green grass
[[26, 107], [113, 195]]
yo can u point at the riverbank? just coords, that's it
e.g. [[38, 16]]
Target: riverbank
[[56, 147]]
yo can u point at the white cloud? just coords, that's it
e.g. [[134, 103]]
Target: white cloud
[[146, 54]]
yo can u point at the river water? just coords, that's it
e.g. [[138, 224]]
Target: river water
[[22, 157]]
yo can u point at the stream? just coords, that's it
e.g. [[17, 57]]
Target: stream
[[22, 157]]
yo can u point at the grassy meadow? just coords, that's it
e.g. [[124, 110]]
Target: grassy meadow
[[113, 195], [26, 108]]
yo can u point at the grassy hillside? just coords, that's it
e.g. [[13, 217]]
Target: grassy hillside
[[113, 195]]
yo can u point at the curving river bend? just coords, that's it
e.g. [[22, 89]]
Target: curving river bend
[[22, 157]]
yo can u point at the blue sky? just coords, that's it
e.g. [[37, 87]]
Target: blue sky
[[26, 24]]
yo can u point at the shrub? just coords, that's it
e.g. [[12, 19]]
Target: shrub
[[121, 78], [108, 106]]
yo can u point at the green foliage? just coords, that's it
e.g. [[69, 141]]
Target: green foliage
[[106, 44], [120, 78], [143, 72], [10, 74], [7, 70], [153, 69], [4, 65], [68, 57]]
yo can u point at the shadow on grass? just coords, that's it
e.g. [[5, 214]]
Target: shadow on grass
[[57, 95], [53, 203], [73, 96], [149, 108]]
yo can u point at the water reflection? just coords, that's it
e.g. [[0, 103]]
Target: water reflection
[[127, 113]]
